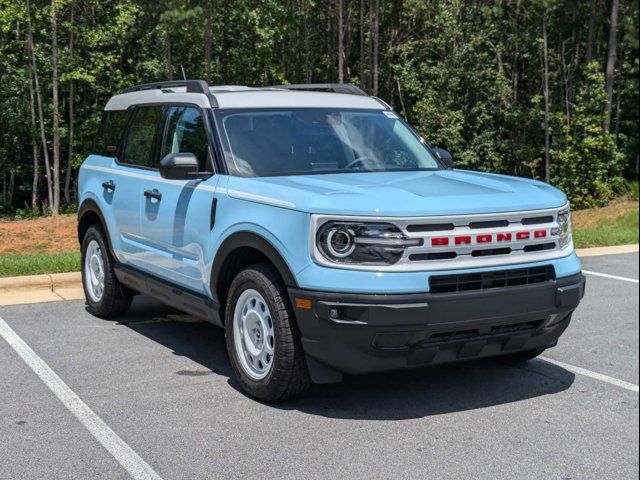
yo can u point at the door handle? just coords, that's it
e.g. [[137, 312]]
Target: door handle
[[153, 194], [109, 185]]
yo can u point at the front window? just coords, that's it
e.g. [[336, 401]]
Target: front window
[[185, 132], [270, 142]]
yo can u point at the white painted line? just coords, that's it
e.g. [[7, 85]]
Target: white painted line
[[606, 275], [110, 440], [598, 376]]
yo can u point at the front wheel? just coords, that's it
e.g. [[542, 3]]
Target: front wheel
[[262, 337]]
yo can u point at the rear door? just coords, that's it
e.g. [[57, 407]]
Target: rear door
[[135, 160], [176, 215]]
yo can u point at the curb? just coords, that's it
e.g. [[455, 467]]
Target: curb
[[55, 287], [46, 281], [615, 250]]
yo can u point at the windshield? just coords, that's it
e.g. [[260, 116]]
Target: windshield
[[269, 142]]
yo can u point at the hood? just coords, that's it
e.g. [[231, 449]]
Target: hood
[[439, 192]]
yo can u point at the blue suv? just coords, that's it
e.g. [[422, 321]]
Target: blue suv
[[320, 231]]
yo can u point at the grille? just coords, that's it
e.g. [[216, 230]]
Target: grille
[[460, 242], [467, 334], [494, 279]]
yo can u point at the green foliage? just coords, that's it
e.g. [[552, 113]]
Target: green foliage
[[587, 164], [15, 265], [616, 230], [467, 74], [629, 189]]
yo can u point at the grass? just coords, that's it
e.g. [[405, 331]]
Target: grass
[[616, 224], [15, 265]]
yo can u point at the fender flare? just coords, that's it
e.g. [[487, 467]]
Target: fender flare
[[257, 242], [89, 207]]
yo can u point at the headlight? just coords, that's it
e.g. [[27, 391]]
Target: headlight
[[362, 243], [564, 227]]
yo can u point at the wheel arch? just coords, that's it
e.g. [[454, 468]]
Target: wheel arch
[[238, 251], [90, 214]]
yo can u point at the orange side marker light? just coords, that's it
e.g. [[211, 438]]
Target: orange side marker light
[[303, 303]]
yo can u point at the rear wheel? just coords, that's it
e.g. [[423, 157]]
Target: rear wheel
[[521, 357], [106, 297], [263, 340]]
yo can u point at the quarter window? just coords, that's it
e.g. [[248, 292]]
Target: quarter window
[[139, 146], [185, 133]]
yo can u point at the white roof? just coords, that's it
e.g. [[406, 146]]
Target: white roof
[[229, 96]]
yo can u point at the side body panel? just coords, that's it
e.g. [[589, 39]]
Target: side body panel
[[175, 230], [119, 206]]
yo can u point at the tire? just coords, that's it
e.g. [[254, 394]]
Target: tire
[[267, 318], [521, 357], [115, 299]]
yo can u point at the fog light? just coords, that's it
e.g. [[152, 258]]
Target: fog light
[[334, 313]]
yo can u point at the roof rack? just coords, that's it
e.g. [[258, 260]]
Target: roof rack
[[348, 88], [193, 86]]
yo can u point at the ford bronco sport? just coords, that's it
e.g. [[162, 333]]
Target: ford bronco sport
[[320, 231]]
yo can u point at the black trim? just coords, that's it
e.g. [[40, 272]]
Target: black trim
[[252, 240], [90, 206], [347, 88], [193, 86], [362, 333], [212, 221], [174, 295]]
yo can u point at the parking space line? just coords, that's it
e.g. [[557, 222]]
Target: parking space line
[[118, 448], [606, 275], [598, 376]]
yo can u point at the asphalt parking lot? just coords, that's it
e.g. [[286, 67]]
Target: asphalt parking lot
[[152, 393]]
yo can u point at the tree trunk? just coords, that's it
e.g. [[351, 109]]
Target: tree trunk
[[36, 81], [10, 188], [363, 77], [208, 40], [340, 41], [329, 40], [34, 146], [619, 92], [67, 179], [168, 52], [591, 33], [545, 61], [566, 81], [611, 64], [55, 207], [375, 46]]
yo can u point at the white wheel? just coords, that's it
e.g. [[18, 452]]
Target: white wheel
[[94, 271], [254, 337]]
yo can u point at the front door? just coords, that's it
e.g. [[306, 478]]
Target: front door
[[176, 215]]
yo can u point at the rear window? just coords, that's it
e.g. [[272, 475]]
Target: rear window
[[110, 134]]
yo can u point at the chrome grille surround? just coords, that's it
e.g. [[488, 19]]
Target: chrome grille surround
[[463, 252]]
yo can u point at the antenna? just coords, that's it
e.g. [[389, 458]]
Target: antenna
[[184, 76]]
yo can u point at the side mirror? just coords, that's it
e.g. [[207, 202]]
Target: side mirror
[[444, 156], [179, 166]]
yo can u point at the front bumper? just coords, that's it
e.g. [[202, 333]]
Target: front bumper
[[364, 333]]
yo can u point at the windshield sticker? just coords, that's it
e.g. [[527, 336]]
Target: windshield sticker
[[390, 114]]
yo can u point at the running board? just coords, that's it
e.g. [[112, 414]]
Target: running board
[[170, 294]]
